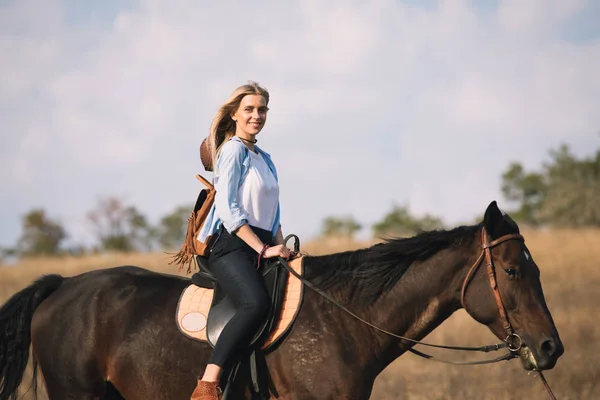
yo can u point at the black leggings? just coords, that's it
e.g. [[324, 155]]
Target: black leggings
[[233, 263]]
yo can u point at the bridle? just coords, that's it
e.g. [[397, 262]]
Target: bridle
[[509, 341], [486, 253]]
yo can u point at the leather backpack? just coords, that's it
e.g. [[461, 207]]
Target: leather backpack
[[193, 247]]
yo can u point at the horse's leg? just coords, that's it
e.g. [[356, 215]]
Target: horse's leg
[[60, 391], [68, 359], [69, 382], [141, 375]]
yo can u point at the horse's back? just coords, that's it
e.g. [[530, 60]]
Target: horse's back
[[97, 293], [106, 298]]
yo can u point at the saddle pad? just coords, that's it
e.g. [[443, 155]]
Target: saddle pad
[[194, 306]]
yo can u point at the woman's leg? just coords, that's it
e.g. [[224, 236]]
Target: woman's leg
[[244, 284]]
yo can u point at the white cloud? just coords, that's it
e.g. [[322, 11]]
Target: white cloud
[[372, 103], [535, 18]]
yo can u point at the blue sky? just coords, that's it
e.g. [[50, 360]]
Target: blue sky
[[373, 103]]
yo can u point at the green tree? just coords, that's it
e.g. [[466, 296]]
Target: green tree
[[119, 227], [173, 227], [141, 232], [41, 236], [526, 189], [399, 222], [573, 190], [563, 193], [340, 226]]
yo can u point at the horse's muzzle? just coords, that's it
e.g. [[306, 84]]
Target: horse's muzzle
[[547, 355]]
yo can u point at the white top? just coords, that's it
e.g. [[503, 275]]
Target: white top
[[259, 193]]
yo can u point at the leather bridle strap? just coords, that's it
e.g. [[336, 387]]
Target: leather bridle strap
[[487, 254]]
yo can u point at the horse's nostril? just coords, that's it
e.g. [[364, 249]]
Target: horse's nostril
[[548, 347]]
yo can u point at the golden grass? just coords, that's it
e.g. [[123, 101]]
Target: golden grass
[[570, 266]]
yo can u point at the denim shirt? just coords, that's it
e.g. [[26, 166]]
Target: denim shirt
[[233, 163]]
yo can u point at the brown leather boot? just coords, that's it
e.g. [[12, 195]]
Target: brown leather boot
[[207, 391]]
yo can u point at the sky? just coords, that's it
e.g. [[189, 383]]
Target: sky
[[373, 103]]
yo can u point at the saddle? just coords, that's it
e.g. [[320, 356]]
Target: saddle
[[204, 309], [222, 307]]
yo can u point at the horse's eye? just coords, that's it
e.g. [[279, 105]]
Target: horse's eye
[[511, 272]]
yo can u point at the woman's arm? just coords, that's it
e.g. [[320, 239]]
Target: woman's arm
[[247, 235], [227, 180], [278, 249]]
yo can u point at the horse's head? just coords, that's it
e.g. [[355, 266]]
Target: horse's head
[[527, 326]]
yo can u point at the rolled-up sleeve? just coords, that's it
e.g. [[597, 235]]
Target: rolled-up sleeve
[[227, 181]]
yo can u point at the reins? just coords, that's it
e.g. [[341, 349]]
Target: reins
[[485, 253], [485, 349]]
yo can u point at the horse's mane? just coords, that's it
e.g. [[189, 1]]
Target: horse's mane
[[370, 272]]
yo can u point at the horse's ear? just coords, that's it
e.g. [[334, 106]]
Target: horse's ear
[[493, 220]]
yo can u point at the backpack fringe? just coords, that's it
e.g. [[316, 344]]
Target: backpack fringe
[[191, 246], [187, 254]]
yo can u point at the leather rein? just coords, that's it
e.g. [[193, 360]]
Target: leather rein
[[512, 341]]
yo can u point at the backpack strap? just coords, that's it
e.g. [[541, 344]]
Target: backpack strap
[[204, 181]]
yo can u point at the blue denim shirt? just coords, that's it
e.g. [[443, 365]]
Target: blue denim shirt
[[233, 163]]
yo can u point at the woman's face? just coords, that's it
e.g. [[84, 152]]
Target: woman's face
[[251, 115]]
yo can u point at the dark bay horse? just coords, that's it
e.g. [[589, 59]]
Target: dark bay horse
[[111, 334]]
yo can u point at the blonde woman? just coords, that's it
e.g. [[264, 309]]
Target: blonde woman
[[245, 219]]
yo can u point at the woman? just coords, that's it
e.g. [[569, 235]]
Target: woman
[[245, 219]]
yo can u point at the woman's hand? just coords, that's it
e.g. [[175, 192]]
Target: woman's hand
[[278, 250]]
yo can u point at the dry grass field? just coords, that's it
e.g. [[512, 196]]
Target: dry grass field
[[570, 272]]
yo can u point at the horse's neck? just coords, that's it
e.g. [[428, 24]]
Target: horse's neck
[[425, 297]]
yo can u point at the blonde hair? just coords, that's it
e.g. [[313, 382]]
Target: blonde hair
[[223, 126]]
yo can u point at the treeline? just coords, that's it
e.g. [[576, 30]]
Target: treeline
[[564, 192], [116, 226]]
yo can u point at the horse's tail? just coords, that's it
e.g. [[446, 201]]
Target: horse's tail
[[15, 333]]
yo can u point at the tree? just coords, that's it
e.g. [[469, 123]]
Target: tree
[[573, 190], [120, 227], [340, 226], [399, 222], [173, 227], [41, 235], [563, 193], [4, 253], [526, 189]]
